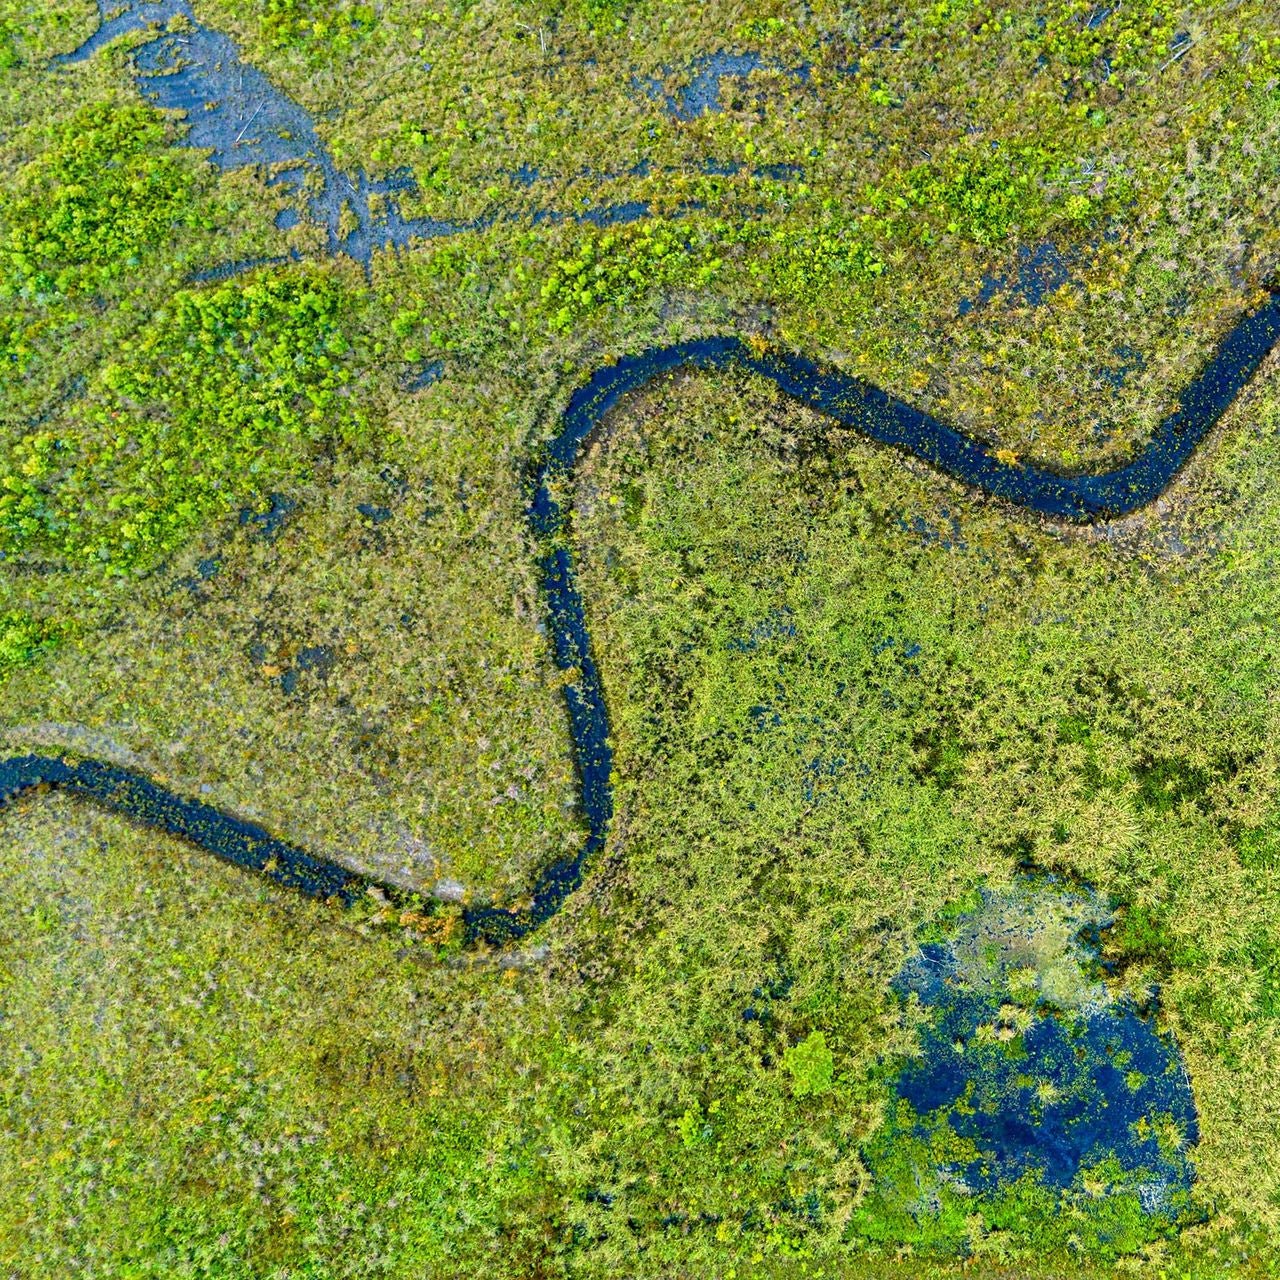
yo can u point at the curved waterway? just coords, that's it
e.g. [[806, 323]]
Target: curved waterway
[[850, 401]]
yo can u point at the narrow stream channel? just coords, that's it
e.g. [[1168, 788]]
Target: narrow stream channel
[[242, 118], [850, 401]]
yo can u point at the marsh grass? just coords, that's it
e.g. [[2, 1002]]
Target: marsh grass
[[844, 693]]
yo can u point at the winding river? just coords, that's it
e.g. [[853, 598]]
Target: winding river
[[1095, 1113], [851, 402], [241, 118]]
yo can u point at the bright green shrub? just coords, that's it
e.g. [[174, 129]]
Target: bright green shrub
[[219, 393], [981, 193], [22, 639], [810, 1064], [808, 259], [1080, 32], [618, 265], [8, 54], [321, 29], [108, 188]]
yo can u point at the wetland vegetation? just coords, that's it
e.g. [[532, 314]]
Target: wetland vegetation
[[265, 539]]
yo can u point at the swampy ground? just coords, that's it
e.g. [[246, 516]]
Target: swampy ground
[[264, 538]]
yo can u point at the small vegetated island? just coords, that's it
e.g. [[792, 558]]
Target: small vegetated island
[[637, 639]]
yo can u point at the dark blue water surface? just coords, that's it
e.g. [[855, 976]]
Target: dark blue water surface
[[1094, 1114], [1029, 1069], [702, 93], [852, 402], [241, 118], [1038, 271], [235, 112], [127, 792]]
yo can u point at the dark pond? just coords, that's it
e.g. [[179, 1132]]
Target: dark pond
[[1032, 1079]]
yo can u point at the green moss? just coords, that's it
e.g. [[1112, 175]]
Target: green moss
[[1144, 935], [1073, 728], [1259, 847], [941, 755], [1263, 956]]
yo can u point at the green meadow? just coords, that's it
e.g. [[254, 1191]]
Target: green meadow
[[251, 552]]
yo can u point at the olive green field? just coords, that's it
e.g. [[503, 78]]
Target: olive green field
[[249, 550]]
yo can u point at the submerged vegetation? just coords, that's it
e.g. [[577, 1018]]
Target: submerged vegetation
[[264, 537]]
